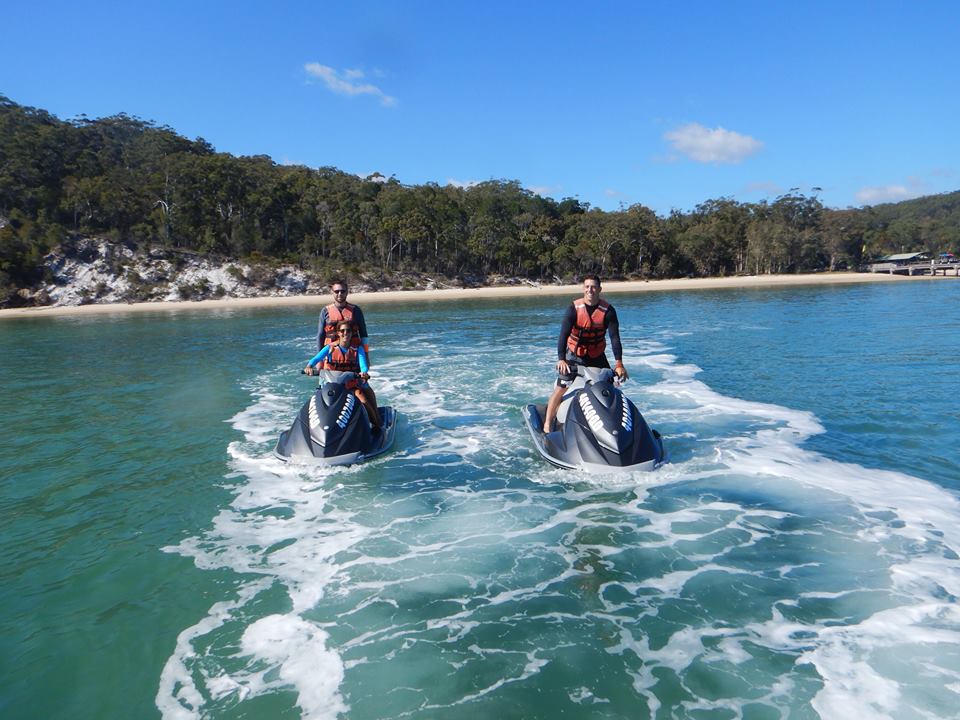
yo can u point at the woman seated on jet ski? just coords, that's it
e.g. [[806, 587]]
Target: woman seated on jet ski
[[341, 356]]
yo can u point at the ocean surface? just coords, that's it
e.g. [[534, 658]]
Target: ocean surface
[[798, 558]]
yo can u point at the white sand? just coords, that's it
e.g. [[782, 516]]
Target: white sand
[[752, 281]]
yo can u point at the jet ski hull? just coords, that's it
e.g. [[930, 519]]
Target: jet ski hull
[[598, 429], [332, 428], [295, 446]]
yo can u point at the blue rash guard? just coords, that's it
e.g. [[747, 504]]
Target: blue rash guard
[[322, 355]]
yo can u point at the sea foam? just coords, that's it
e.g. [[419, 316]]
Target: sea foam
[[799, 578]]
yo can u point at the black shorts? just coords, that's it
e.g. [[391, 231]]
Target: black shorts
[[597, 362]]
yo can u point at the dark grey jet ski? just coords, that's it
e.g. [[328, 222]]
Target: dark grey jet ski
[[597, 429], [332, 427]]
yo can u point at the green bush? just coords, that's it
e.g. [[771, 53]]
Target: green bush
[[261, 277], [236, 273]]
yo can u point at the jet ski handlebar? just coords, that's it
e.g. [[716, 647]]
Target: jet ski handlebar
[[593, 374], [336, 375]]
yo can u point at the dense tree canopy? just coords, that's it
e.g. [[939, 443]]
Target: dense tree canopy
[[133, 181]]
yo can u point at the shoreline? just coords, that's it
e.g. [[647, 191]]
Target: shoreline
[[499, 291]]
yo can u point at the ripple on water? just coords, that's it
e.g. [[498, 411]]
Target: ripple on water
[[753, 575]]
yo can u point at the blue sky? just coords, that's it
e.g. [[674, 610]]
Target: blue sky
[[663, 104]]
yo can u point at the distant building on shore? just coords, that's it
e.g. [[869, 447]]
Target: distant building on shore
[[900, 261]]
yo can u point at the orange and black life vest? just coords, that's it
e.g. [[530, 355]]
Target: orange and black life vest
[[587, 337], [335, 316], [342, 360]]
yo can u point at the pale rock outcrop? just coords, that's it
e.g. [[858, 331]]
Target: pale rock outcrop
[[95, 270]]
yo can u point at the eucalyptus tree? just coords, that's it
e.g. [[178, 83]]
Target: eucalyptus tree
[[799, 216], [842, 234], [491, 232], [598, 240], [643, 241]]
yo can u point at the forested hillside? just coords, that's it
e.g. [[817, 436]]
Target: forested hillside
[[135, 182]]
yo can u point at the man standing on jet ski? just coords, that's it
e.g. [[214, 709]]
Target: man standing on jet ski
[[338, 311], [582, 342]]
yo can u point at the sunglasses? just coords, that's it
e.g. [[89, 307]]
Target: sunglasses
[[345, 331], [340, 291]]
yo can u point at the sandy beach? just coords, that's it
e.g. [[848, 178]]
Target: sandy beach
[[368, 298]]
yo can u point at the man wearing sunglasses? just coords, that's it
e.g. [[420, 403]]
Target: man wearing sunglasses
[[339, 311]]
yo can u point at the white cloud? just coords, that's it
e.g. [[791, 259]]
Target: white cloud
[[347, 82], [542, 190], [611, 193], [765, 188], [463, 184], [712, 146], [885, 193], [915, 187]]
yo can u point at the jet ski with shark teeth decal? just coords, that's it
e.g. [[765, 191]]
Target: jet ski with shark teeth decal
[[332, 427], [597, 429]]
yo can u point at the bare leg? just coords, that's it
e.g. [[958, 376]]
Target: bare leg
[[369, 400], [372, 403], [552, 405]]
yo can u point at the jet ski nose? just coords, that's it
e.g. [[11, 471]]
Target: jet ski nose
[[332, 428], [604, 395], [598, 428], [330, 394]]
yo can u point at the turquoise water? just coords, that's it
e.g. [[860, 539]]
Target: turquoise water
[[798, 558]]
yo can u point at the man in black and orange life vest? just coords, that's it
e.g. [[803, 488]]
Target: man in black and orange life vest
[[338, 311], [582, 342]]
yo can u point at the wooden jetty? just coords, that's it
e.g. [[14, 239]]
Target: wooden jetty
[[916, 264]]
